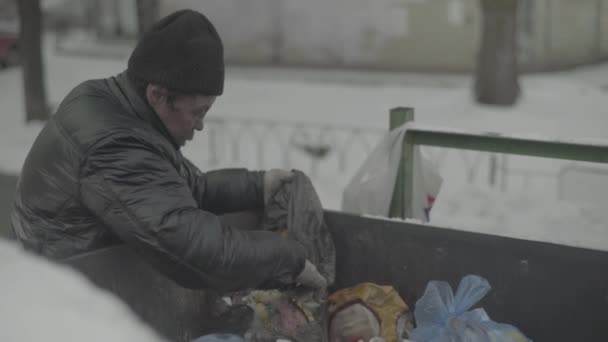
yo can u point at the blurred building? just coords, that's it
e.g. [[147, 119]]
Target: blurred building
[[110, 19], [438, 35], [8, 16], [400, 34]]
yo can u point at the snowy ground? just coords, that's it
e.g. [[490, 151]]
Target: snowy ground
[[569, 105], [45, 302]]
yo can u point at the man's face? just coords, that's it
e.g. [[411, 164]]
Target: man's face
[[183, 114]]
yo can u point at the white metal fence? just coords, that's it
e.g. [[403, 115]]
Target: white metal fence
[[335, 152]]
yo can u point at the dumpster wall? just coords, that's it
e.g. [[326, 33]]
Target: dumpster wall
[[179, 314], [550, 292]]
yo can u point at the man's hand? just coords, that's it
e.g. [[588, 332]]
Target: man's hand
[[311, 277], [273, 179]]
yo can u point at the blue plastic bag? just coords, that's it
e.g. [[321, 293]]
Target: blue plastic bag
[[442, 316], [220, 338]]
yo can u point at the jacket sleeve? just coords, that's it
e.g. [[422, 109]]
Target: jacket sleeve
[[140, 196], [227, 190]]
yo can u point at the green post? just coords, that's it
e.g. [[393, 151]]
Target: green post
[[404, 183]]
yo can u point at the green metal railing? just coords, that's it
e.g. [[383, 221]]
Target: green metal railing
[[486, 142]]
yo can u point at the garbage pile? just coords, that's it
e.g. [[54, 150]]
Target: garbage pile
[[373, 313], [367, 311]]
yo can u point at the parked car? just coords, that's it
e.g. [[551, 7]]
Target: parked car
[[9, 49]]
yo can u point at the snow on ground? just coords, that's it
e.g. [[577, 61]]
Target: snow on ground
[[42, 301], [523, 216], [565, 105]]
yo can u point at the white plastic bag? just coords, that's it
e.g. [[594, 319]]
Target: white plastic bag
[[370, 191]]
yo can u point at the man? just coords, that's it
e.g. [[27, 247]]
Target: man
[[107, 169]]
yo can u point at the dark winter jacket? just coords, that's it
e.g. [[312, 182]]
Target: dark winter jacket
[[104, 170]]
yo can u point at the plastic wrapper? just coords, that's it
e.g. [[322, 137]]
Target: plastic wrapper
[[368, 311], [296, 315]]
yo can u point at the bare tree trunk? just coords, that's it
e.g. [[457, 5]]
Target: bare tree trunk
[[496, 79], [147, 14], [30, 46]]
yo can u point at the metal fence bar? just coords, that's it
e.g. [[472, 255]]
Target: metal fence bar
[[496, 143], [224, 119], [318, 143], [488, 142]]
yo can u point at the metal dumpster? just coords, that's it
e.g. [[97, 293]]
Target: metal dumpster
[[551, 292]]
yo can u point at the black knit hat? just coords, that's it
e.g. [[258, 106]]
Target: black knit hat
[[182, 52]]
